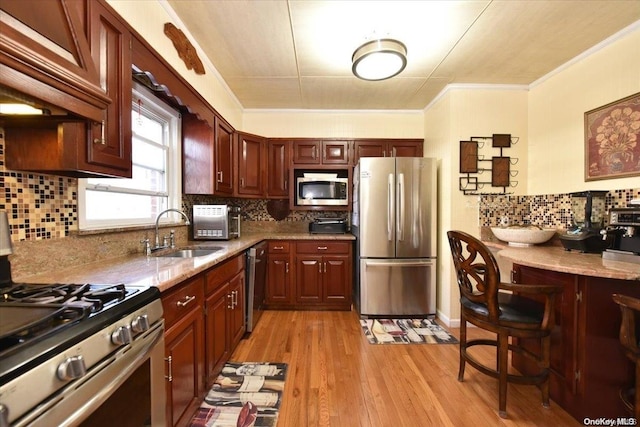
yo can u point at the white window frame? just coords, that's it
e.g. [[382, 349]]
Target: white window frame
[[173, 132]]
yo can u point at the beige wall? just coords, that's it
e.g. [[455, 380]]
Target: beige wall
[[148, 19], [463, 112], [556, 115]]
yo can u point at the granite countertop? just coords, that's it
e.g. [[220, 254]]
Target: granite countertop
[[165, 272], [557, 259]]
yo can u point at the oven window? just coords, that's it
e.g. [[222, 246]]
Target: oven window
[[130, 405]]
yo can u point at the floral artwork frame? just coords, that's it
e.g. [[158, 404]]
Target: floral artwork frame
[[612, 140]]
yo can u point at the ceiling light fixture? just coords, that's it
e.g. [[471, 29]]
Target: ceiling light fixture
[[379, 59]]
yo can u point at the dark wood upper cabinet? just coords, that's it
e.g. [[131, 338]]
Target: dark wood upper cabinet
[[207, 156], [278, 160], [45, 53], [369, 149], [321, 152], [252, 164], [335, 152], [197, 156], [68, 144], [110, 139], [223, 138], [387, 148], [306, 152]]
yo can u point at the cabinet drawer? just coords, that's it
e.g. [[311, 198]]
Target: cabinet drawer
[[222, 273], [176, 303], [278, 247], [323, 247]]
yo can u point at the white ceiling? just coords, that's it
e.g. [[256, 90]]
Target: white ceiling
[[296, 54]]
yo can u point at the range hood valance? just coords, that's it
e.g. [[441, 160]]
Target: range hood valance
[[53, 63]]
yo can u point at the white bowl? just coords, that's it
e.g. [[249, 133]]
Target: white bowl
[[523, 236]]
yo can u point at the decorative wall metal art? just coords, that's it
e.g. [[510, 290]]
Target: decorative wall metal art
[[500, 166], [612, 140]]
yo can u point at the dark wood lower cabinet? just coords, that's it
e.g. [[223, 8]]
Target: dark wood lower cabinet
[[184, 350], [588, 366], [204, 321], [311, 275]]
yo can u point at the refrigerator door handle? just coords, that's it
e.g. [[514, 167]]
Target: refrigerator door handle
[[397, 263], [390, 219], [401, 202]]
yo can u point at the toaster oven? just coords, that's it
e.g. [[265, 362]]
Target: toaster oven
[[216, 222]]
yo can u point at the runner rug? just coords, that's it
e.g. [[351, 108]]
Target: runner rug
[[405, 331], [243, 395]]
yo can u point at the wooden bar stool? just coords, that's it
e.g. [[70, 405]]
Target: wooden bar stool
[[506, 314], [630, 307]]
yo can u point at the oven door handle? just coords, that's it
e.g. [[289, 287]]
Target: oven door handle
[[82, 397]]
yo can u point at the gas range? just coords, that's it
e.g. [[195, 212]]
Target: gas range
[[56, 336]]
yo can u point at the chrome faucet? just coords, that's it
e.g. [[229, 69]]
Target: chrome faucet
[[186, 221]]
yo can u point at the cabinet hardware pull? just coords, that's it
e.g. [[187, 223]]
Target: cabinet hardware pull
[[325, 267], [278, 248], [286, 267], [234, 298], [322, 248], [230, 305], [170, 362], [286, 184], [319, 267], [186, 301], [101, 140], [220, 176], [242, 182]]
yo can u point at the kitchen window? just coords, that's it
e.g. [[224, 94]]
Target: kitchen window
[[155, 182]]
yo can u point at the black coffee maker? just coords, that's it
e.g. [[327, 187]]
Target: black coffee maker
[[588, 208], [624, 227]]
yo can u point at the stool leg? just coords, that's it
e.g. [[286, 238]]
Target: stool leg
[[636, 406], [544, 364], [503, 356], [463, 345]]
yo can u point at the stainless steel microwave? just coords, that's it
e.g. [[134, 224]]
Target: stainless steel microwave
[[322, 191], [216, 222]]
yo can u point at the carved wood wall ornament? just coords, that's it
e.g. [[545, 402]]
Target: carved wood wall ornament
[[185, 49]]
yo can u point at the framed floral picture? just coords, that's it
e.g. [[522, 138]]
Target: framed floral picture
[[612, 140]]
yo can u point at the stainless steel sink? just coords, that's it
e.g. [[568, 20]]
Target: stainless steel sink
[[190, 253]]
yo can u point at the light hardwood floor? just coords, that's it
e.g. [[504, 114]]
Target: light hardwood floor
[[336, 378]]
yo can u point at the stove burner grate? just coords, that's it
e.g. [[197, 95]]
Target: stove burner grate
[[85, 295]]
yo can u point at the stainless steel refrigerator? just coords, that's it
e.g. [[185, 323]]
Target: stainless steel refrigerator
[[394, 221]]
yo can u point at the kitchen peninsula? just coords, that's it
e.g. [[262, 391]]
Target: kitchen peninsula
[[588, 366]]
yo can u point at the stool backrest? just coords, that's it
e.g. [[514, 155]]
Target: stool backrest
[[476, 270]]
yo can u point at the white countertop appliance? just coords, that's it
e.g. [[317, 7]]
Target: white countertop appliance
[[216, 222]]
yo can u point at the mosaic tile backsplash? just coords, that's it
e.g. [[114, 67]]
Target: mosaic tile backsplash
[[38, 206], [547, 211]]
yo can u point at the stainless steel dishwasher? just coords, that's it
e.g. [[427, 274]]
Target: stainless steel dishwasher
[[256, 282]]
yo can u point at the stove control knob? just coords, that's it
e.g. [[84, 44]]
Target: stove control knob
[[140, 324], [121, 336], [73, 367]]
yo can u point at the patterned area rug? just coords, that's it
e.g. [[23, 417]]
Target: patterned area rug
[[243, 395], [405, 331]]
